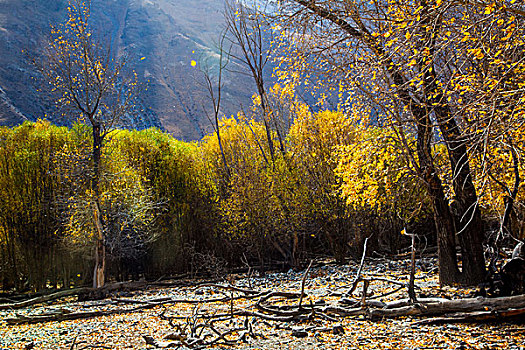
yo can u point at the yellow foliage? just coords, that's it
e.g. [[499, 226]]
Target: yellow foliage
[[374, 173]]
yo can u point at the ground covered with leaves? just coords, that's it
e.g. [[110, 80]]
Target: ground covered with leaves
[[228, 313]]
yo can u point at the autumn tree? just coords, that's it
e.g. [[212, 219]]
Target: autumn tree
[[490, 86], [89, 83], [406, 59], [214, 84], [29, 216], [250, 34]]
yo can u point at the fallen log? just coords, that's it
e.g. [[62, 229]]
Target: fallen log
[[83, 294], [65, 315], [451, 306], [406, 302], [43, 299], [502, 307], [478, 316], [469, 309]]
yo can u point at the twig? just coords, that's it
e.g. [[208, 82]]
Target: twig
[[365, 289], [357, 278], [230, 287], [302, 284], [73, 343], [411, 292]]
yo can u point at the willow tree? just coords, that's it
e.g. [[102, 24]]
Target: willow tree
[[89, 84], [418, 64]]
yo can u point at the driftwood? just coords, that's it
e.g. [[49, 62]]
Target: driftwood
[[358, 278], [477, 316], [66, 315], [200, 342], [82, 293], [303, 282], [443, 310], [44, 298], [411, 286], [87, 293], [200, 333], [451, 306], [201, 328], [461, 310], [265, 307]]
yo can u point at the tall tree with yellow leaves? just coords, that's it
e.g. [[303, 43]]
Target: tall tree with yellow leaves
[[421, 65], [89, 84]]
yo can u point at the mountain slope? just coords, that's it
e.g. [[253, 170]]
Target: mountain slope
[[160, 39]]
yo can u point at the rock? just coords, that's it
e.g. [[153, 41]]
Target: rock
[[338, 329], [462, 346], [299, 332], [513, 276]]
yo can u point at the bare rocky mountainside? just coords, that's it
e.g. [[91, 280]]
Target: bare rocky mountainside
[[160, 39]]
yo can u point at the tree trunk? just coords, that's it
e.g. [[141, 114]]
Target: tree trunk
[[470, 225], [100, 253], [221, 148], [506, 222], [100, 250], [264, 107], [444, 221]]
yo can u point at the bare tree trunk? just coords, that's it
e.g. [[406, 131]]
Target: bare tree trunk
[[258, 77], [100, 253], [216, 98], [444, 221], [100, 250], [470, 225]]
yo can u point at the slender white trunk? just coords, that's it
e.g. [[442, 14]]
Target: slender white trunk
[[100, 253]]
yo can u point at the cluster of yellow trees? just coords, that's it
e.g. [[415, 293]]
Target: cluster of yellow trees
[[167, 203], [149, 201]]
